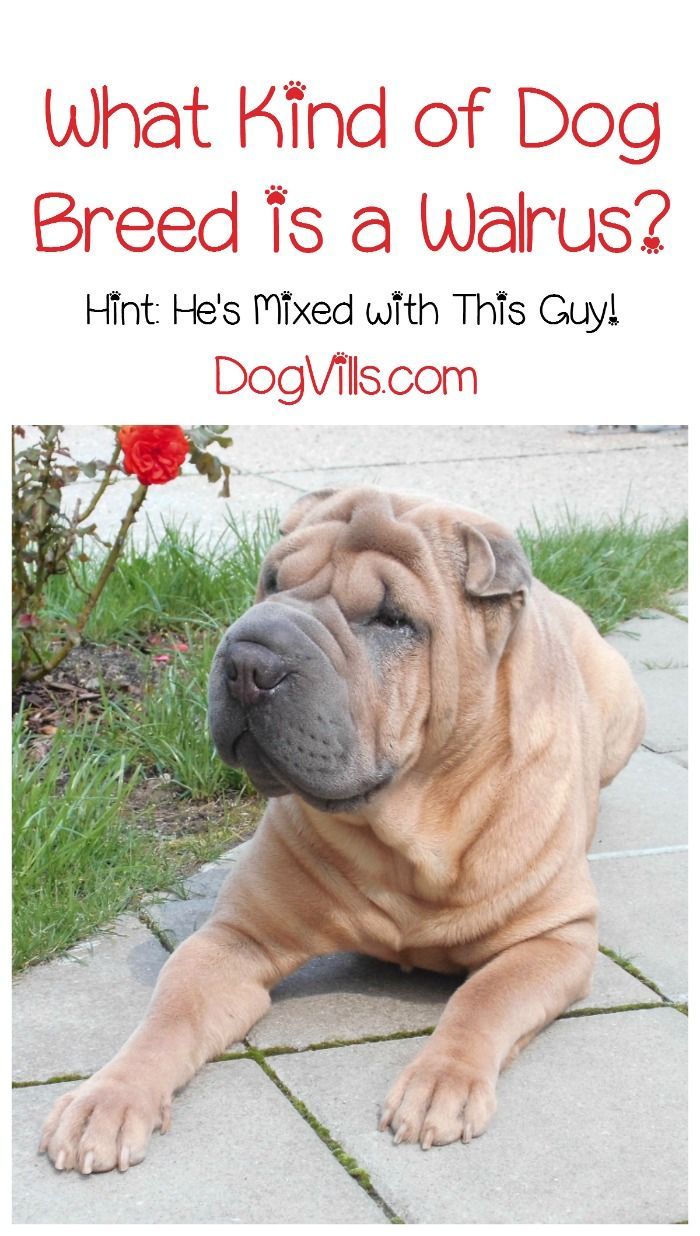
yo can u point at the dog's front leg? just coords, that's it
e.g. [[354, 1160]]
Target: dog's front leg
[[448, 1092], [209, 994]]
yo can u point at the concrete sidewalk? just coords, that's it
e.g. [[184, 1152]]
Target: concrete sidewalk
[[592, 1119], [515, 473]]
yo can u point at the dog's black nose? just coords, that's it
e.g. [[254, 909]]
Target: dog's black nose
[[252, 670]]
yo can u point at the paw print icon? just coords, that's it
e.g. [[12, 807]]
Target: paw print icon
[[275, 195], [294, 91], [115, 295], [339, 358]]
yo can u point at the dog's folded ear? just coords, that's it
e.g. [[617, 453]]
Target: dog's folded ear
[[302, 507], [496, 564]]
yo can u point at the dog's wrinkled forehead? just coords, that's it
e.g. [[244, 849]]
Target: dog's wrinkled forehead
[[344, 506], [417, 532], [358, 520]]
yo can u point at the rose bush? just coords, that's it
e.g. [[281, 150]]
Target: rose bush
[[49, 540]]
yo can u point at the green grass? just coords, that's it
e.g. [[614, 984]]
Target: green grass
[[83, 850], [79, 858], [613, 570], [180, 580], [167, 730], [74, 862]]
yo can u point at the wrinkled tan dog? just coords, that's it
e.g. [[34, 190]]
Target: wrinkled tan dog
[[433, 727]]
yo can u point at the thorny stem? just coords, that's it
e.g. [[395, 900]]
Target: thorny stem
[[33, 649], [21, 570], [31, 675], [48, 445], [74, 577], [79, 519]]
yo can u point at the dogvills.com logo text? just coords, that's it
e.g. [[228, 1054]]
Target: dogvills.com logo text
[[343, 375]]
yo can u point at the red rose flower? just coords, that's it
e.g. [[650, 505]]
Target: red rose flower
[[153, 453]]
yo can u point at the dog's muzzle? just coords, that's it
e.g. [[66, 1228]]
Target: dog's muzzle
[[279, 707]]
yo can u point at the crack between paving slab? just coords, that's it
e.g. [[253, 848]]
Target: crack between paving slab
[[650, 851], [326, 1044], [629, 966], [276, 480], [163, 936], [619, 1008], [252, 1053], [346, 1161], [51, 1081], [330, 1044], [256, 1053], [672, 750]]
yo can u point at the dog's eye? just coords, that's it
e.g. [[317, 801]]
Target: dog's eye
[[392, 619], [270, 581]]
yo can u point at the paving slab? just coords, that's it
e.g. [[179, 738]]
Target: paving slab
[[590, 1127], [612, 986], [237, 1152], [644, 913], [646, 805], [177, 917], [71, 1015], [679, 757], [652, 640], [666, 694], [347, 996]]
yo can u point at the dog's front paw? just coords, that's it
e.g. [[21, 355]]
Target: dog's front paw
[[106, 1123], [438, 1099]]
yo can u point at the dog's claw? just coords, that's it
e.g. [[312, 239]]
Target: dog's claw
[[400, 1133], [88, 1164], [124, 1158], [427, 1140], [60, 1160]]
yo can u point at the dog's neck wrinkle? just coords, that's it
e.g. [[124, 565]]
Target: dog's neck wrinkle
[[416, 848]]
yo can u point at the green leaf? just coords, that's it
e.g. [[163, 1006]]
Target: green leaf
[[202, 436]]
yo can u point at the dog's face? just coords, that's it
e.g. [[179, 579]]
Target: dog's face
[[374, 642]]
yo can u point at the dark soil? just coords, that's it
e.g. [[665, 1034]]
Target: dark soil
[[156, 805], [74, 691]]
